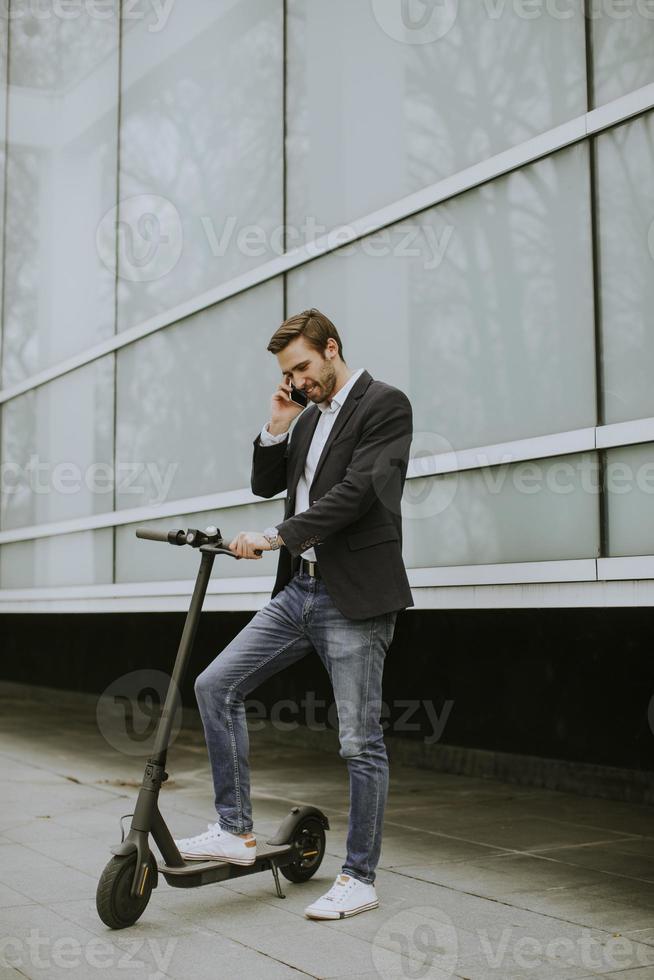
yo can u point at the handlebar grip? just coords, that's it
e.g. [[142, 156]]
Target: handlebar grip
[[170, 537]]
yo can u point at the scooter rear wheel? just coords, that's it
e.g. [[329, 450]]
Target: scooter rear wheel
[[309, 839], [116, 907]]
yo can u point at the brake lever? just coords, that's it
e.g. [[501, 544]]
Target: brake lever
[[218, 550], [223, 551]]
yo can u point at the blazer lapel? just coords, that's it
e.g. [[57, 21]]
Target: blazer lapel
[[351, 403]]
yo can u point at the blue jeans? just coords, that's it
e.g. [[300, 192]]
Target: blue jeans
[[301, 618]]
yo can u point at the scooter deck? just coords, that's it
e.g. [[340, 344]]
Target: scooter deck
[[263, 851], [203, 872]]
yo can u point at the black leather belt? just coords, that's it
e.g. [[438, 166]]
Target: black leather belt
[[310, 568]]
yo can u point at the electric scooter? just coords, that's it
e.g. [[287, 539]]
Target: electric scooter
[[125, 886]]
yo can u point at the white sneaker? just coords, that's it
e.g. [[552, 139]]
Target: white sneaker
[[347, 896], [217, 844]]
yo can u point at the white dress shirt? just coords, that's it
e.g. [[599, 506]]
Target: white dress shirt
[[323, 428]]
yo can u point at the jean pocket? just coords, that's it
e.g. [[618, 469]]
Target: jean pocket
[[390, 619]]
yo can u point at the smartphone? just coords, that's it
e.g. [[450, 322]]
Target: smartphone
[[298, 396]]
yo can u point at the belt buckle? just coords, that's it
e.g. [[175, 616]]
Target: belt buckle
[[311, 567]]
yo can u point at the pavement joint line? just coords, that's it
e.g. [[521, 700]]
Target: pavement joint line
[[465, 840], [586, 826], [593, 843], [539, 856], [584, 867], [92, 875], [438, 833], [512, 905], [66, 776], [20, 973]]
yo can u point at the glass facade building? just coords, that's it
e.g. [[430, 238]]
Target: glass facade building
[[468, 194]]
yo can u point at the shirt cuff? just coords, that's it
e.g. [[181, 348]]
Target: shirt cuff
[[269, 440]]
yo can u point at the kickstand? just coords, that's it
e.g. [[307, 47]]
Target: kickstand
[[278, 887]]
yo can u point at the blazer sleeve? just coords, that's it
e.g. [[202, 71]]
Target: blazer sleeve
[[382, 450], [269, 464]]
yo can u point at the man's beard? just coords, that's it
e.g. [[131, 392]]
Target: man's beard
[[327, 382]]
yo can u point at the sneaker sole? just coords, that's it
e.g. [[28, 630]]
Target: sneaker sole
[[215, 857], [341, 915]]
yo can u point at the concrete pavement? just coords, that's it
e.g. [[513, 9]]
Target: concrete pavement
[[478, 879]]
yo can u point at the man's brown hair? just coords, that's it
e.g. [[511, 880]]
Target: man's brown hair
[[314, 326]]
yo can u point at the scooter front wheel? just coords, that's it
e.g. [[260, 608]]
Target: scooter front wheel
[[116, 907], [309, 840]]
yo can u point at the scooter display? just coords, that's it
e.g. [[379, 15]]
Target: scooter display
[[127, 881]]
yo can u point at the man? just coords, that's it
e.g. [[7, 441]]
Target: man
[[340, 583]]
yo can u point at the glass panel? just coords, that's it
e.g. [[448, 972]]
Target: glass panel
[[61, 181], [57, 443], [540, 510], [623, 47], [201, 149], [378, 108], [4, 27], [83, 558], [625, 165], [138, 560], [480, 308], [630, 497], [191, 399]]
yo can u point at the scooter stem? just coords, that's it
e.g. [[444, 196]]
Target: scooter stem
[[181, 660]]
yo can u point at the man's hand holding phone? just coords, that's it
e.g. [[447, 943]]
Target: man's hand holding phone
[[283, 409]]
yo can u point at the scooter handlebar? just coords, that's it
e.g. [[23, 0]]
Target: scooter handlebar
[[179, 537], [170, 537]]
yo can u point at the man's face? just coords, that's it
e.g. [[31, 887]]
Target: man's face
[[309, 369]]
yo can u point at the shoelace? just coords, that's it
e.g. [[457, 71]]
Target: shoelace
[[339, 889], [214, 830]]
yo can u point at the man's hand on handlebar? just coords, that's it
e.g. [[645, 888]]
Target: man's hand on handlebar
[[245, 543]]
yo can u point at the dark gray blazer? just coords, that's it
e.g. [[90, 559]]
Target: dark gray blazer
[[354, 520]]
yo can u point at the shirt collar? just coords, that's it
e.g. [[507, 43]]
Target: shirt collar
[[341, 395]]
